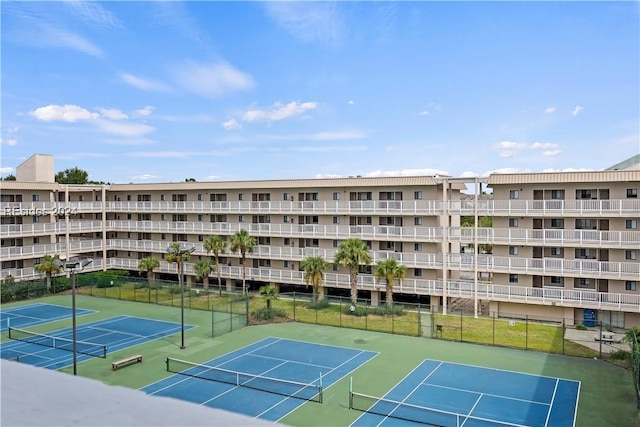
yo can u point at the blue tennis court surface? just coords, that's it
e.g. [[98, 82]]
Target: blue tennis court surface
[[275, 358], [116, 333], [35, 314], [450, 394]]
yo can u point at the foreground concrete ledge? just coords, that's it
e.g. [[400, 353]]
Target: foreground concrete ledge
[[33, 396]]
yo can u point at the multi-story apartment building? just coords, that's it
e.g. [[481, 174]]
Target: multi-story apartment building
[[561, 242]]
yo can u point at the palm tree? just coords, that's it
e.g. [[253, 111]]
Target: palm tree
[[217, 245], [202, 270], [269, 293], [313, 268], [176, 254], [390, 270], [49, 265], [149, 264], [244, 243], [353, 253]]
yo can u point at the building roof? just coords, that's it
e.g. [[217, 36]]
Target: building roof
[[565, 177]]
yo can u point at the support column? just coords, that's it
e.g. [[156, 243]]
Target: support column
[[375, 298], [231, 284]]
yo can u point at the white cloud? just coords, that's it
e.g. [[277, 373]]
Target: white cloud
[[327, 176], [143, 112], [543, 145], [406, 172], [212, 177], [508, 148], [551, 170], [63, 38], [551, 153], [468, 174], [506, 171], [318, 136], [93, 12], [163, 154], [143, 177], [576, 110], [113, 114], [65, 113], [309, 21], [231, 124], [550, 110], [10, 142], [350, 102], [423, 113], [6, 170], [144, 84], [124, 129], [213, 80], [279, 111]]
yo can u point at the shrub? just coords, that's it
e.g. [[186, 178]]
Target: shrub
[[140, 285], [320, 305], [358, 310], [173, 289], [269, 313], [620, 355], [581, 327]]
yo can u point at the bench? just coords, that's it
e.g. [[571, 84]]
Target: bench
[[126, 361], [608, 337]]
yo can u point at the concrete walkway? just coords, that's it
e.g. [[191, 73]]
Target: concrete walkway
[[588, 339]]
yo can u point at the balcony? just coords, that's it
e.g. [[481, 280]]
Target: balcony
[[552, 208], [548, 237]]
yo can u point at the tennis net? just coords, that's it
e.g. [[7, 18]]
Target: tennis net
[[419, 414], [88, 348], [298, 390]]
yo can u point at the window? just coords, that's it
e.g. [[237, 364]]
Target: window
[[417, 220], [128, 235], [199, 217], [240, 218], [285, 196], [557, 223], [513, 250], [287, 264], [583, 194], [556, 280], [240, 196], [631, 224], [36, 219], [200, 238], [36, 240], [514, 194], [417, 247], [557, 194], [129, 216], [315, 243], [128, 197], [286, 219], [631, 254], [336, 195], [37, 261], [556, 251], [35, 198], [199, 197], [584, 253], [417, 272], [162, 198], [336, 267], [417, 195], [81, 198], [336, 243], [163, 236], [632, 193], [513, 222], [287, 241], [630, 285], [513, 278], [584, 282], [336, 220]]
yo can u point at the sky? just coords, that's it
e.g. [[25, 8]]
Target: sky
[[164, 91]]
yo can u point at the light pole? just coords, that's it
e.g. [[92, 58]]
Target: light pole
[[179, 255], [74, 265]]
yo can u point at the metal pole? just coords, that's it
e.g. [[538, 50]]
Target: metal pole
[[181, 303], [73, 324]]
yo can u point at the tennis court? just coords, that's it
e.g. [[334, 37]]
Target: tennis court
[[267, 379], [35, 314], [451, 395], [54, 350]]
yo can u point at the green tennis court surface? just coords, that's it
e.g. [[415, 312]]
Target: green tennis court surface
[[606, 391]]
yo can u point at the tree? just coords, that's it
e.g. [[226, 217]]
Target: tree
[[9, 177], [242, 242], [178, 255], [72, 176], [202, 270], [313, 268], [269, 293], [147, 265], [216, 245], [190, 180], [390, 270], [353, 253], [49, 266]]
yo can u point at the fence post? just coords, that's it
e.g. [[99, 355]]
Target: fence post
[[564, 330], [600, 339], [294, 305], [494, 329], [526, 332], [460, 325]]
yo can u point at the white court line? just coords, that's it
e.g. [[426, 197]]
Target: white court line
[[488, 394], [555, 389]]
